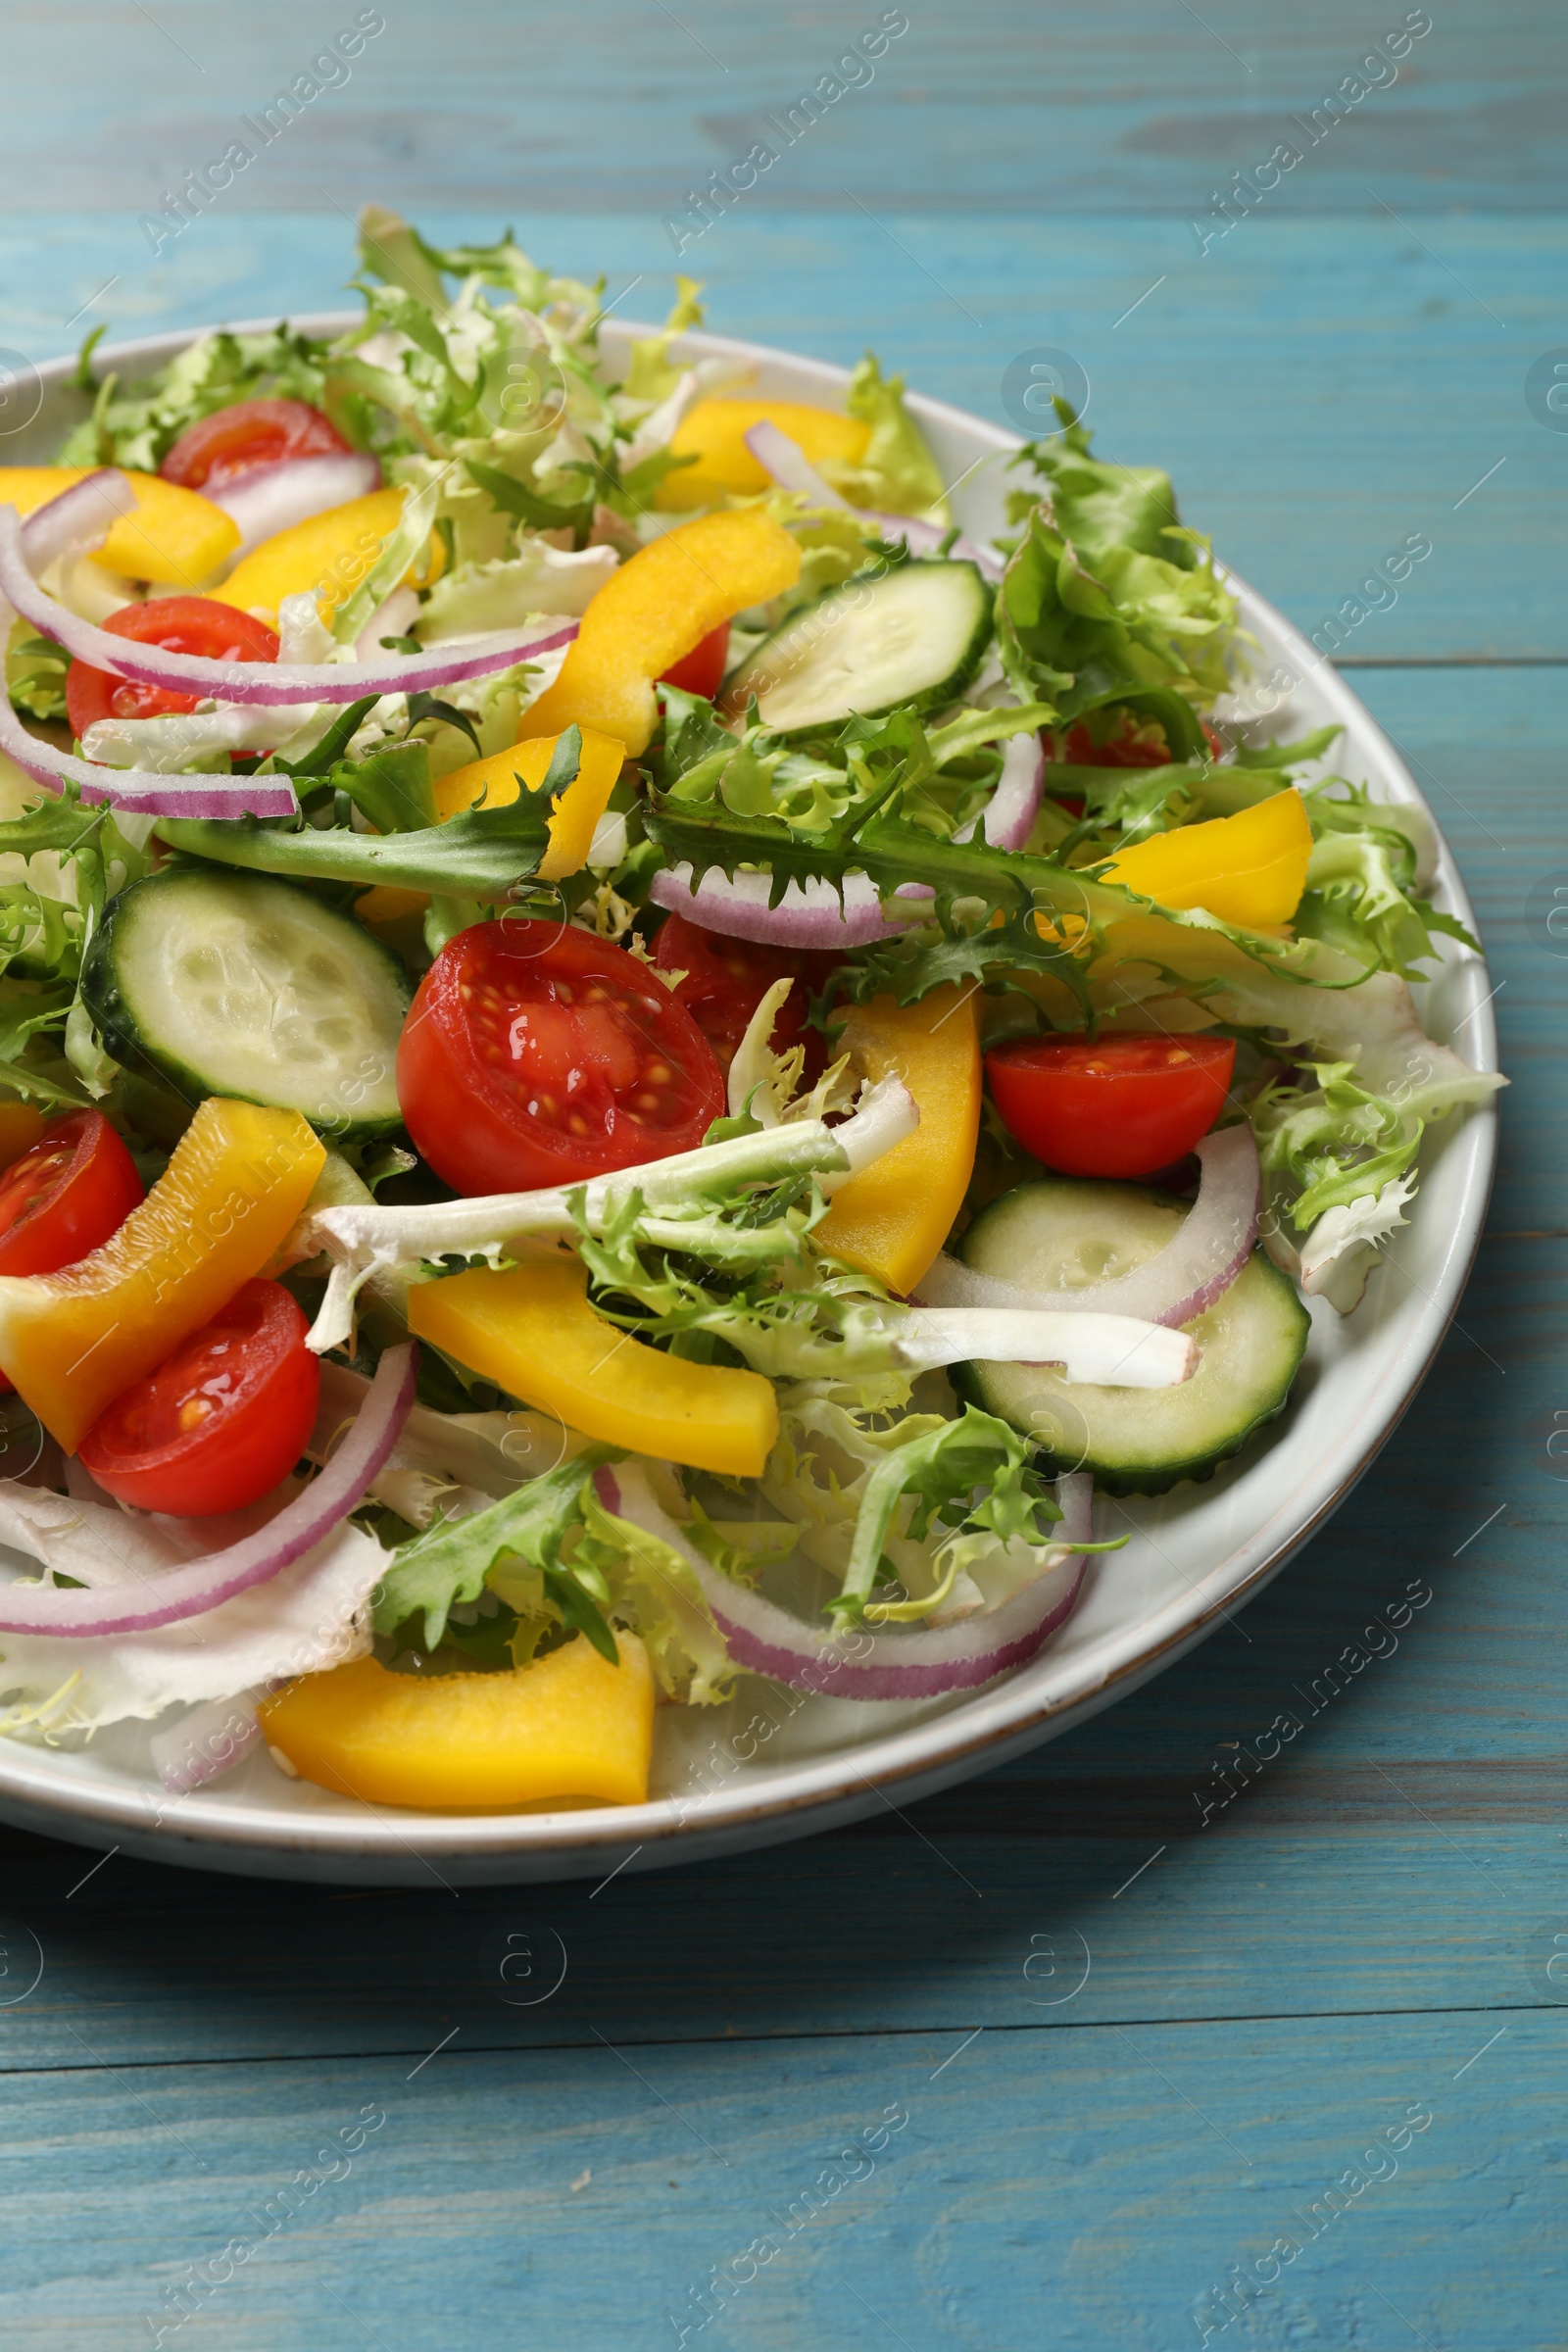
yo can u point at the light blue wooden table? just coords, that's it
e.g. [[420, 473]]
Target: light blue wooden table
[[1372, 1934]]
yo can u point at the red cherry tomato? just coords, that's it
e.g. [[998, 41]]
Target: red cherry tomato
[[251, 433], [221, 1421], [536, 1054], [726, 979], [181, 625], [702, 670], [63, 1196], [1123, 1107]]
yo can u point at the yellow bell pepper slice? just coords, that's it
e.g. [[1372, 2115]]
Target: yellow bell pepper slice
[[330, 553], [714, 433], [1249, 868], [176, 536], [72, 1341], [663, 601], [533, 1332], [893, 1218], [567, 1725], [576, 811]]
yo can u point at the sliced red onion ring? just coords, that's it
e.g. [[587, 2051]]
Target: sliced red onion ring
[[808, 915], [77, 520], [205, 1743], [301, 1525], [142, 790], [767, 1639], [255, 681], [1010, 814], [1196, 1266], [269, 498], [790, 466]]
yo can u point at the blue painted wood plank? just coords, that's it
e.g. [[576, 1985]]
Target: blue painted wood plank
[[1320, 389], [1021, 105], [1081, 2187], [1339, 1889]]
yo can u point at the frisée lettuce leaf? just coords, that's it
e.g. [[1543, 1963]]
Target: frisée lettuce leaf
[[557, 1560], [898, 474]]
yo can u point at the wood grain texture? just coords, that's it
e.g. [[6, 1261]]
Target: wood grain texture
[[615, 106], [1008, 2204], [1204, 1976]]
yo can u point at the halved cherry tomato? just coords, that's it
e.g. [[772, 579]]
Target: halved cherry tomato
[[251, 433], [221, 1421], [63, 1196], [726, 980], [537, 1055], [1122, 1106], [702, 670], [181, 625]]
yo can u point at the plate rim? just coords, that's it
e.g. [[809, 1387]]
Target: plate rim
[[812, 1795]]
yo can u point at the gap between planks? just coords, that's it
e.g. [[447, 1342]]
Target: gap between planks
[[939, 2028]]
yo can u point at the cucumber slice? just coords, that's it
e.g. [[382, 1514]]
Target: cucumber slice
[[914, 635], [1062, 1233], [241, 985]]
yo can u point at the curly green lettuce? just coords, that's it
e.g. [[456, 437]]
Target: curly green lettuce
[[898, 474], [552, 1559], [919, 1517]]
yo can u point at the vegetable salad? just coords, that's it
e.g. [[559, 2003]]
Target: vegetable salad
[[625, 1061]]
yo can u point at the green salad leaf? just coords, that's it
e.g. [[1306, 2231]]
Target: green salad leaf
[[653, 376], [485, 854], [898, 474], [1081, 632], [449, 1563], [941, 1472], [557, 1560]]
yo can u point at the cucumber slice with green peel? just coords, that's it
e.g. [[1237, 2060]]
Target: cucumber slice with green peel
[[912, 636], [1063, 1234], [244, 986]]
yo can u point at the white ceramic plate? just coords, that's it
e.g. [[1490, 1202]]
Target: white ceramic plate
[[772, 1765]]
